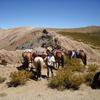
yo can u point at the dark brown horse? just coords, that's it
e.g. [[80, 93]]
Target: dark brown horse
[[77, 54], [59, 57]]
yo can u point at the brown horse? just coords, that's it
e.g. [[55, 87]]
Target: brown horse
[[39, 54], [77, 54], [59, 57], [27, 59]]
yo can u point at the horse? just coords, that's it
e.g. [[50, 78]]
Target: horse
[[59, 57], [77, 54], [39, 63], [27, 59], [39, 54], [96, 81]]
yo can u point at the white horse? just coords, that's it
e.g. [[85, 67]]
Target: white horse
[[39, 63]]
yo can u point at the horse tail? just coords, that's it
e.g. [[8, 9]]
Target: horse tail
[[38, 68], [85, 59], [62, 61]]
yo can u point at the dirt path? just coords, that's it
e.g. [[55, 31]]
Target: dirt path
[[40, 91]]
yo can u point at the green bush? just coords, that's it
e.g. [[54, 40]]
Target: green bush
[[66, 78], [19, 78], [2, 79]]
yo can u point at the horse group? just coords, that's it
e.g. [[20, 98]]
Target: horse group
[[38, 59]]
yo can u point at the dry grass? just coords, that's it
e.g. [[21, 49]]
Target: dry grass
[[19, 78], [73, 75], [2, 79], [89, 38]]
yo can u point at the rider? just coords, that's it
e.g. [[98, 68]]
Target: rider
[[50, 60], [45, 33], [56, 44]]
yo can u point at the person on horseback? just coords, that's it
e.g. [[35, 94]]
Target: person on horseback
[[57, 44], [50, 60], [46, 34]]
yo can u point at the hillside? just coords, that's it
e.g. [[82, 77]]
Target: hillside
[[28, 37], [14, 41]]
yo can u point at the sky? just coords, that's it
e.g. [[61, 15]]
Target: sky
[[49, 13]]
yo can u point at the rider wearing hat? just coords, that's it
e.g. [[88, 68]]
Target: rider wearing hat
[[50, 60]]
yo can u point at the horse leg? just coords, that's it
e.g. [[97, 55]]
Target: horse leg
[[47, 71], [84, 60], [38, 73], [58, 64], [25, 65], [51, 68], [62, 61]]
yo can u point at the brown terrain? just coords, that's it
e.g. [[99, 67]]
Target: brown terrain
[[14, 41]]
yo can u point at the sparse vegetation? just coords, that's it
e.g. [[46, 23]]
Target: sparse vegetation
[[89, 77], [66, 78], [2, 79], [19, 78], [3, 94], [89, 38], [69, 77], [73, 75], [90, 73], [92, 68]]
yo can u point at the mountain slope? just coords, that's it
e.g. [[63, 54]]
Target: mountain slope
[[27, 37]]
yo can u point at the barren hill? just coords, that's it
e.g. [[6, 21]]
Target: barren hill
[[28, 37]]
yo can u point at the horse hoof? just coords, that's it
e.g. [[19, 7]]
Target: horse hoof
[[39, 79]]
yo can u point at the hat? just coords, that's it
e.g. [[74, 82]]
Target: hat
[[49, 48]]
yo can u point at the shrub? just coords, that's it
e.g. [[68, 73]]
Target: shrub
[[92, 68], [2, 79], [19, 78], [59, 80], [72, 62], [89, 77], [66, 78], [75, 80], [73, 75], [77, 68], [3, 62]]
